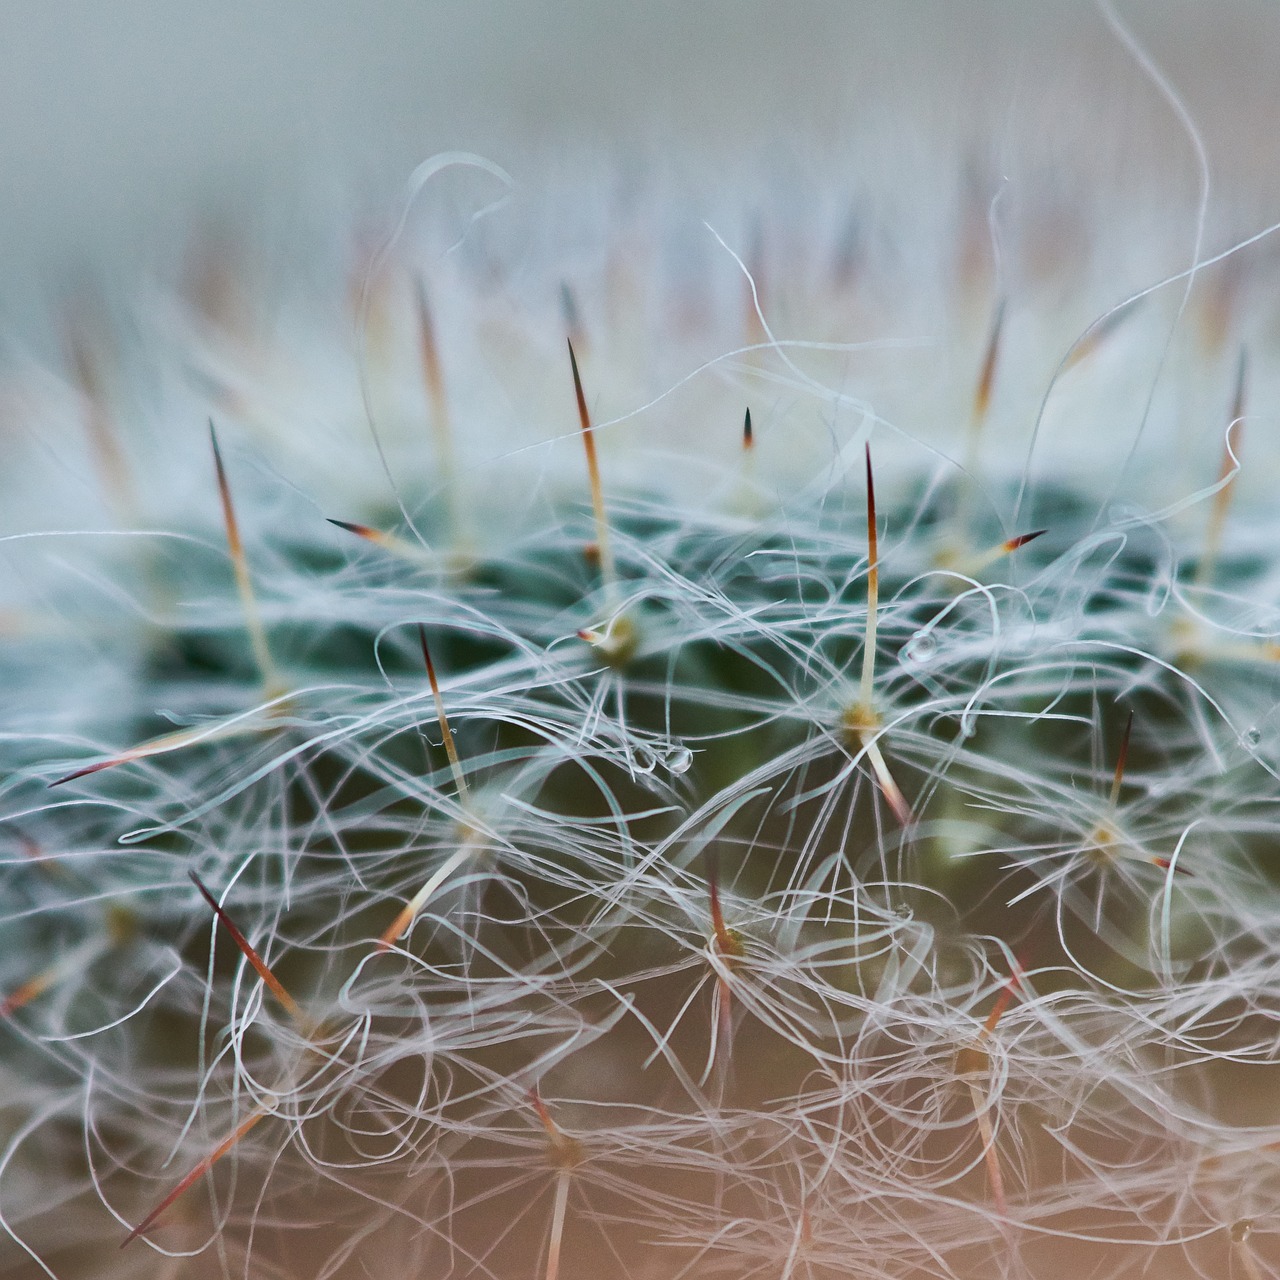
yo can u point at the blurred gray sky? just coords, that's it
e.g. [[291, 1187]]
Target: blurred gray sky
[[120, 121]]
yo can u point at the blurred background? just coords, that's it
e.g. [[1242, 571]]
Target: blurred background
[[123, 125]]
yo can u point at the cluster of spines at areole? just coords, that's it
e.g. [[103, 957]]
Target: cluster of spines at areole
[[821, 879]]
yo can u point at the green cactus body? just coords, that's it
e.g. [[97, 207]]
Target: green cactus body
[[666, 930]]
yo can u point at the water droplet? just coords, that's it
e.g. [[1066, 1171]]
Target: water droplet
[[1252, 736], [643, 760], [920, 649], [679, 759]]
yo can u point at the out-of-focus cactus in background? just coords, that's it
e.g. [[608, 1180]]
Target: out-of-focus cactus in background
[[691, 711]]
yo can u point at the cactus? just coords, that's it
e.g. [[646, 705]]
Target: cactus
[[700, 801]]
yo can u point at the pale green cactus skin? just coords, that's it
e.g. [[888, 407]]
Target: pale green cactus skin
[[728, 946]]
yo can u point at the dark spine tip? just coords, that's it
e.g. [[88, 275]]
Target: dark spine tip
[[1023, 538], [77, 773]]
